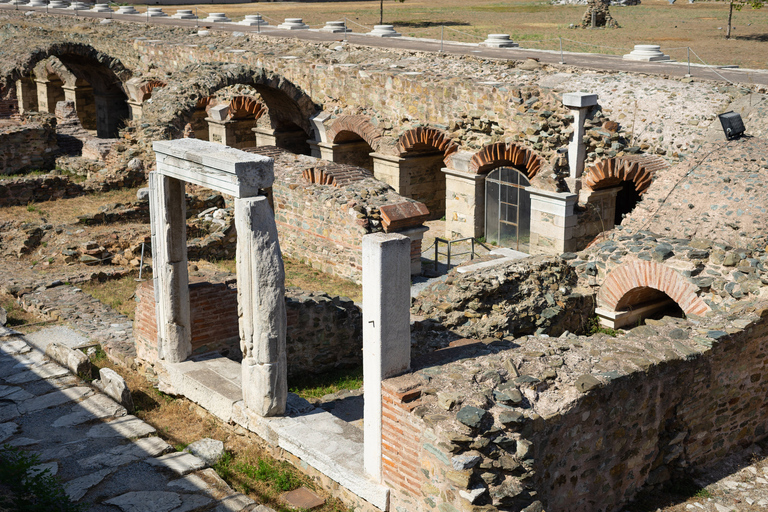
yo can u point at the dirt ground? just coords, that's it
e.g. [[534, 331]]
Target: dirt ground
[[700, 25]]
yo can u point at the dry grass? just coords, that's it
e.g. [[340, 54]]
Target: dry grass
[[303, 276], [16, 316], [60, 211], [117, 294], [653, 22], [181, 422]]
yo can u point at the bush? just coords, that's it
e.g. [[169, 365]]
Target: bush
[[23, 489]]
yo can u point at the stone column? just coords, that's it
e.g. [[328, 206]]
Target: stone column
[[221, 132], [169, 261], [553, 221], [386, 329], [46, 99], [579, 103], [26, 93], [261, 307], [387, 168], [464, 204]]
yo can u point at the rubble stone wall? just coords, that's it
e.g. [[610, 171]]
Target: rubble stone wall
[[575, 423], [324, 333], [28, 146], [21, 191]]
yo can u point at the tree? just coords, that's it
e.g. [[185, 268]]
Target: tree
[[738, 5], [381, 10]]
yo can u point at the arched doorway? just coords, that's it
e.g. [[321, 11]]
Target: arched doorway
[[626, 199], [508, 209]]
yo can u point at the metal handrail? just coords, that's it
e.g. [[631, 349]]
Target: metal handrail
[[448, 244]]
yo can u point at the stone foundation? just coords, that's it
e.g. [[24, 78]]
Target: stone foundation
[[28, 145]]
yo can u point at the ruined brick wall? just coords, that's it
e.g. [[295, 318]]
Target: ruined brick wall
[[323, 332], [28, 146]]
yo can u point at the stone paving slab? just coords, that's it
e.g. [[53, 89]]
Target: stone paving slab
[[102, 455], [58, 334]]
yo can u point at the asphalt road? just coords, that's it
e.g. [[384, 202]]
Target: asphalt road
[[594, 61]]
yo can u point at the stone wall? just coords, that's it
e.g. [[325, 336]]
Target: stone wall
[[28, 145], [21, 191], [534, 295], [324, 333], [574, 423]]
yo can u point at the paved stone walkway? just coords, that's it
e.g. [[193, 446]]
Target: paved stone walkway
[[104, 456]]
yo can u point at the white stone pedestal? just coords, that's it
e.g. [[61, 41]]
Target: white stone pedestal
[[127, 9], [384, 31], [386, 330], [57, 4], [253, 20], [37, 3], [293, 24], [184, 14], [552, 221], [155, 12], [335, 27], [499, 41], [647, 53], [79, 6], [217, 17], [101, 8]]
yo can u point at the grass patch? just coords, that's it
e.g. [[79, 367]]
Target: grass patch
[[117, 294], [594, 327], [316, 386], [23, 488]]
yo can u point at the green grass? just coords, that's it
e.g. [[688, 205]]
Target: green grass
[[117, 294], [316, 386], [594, 327], [23, 488]]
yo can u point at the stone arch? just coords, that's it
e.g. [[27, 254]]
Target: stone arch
[[246, 106], [69, 53], [499, 154], [610, 172], [425, 138], [354, 124], [54, 66], [633, 282], [286, 103]]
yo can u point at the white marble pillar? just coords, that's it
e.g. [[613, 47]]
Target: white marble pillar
[[169, 262], [579, 103], [386, 330], [261, 307]]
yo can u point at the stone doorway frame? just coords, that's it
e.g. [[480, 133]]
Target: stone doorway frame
[[260, 273]]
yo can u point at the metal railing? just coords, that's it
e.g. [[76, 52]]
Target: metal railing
[[449, 252]]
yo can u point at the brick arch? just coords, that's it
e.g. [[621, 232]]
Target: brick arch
[[499, 154], [357, 124], [148, 87], [424, 137], [246, 106], [612, 171], [631, 282], [53, 66]]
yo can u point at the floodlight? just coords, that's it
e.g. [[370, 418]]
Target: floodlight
[[732, 124]]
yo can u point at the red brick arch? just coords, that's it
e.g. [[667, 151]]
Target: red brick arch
[[631, 282], [358, 125], [422, 138], [612, 171], [499, 154], [148, 87], [246, 106]]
